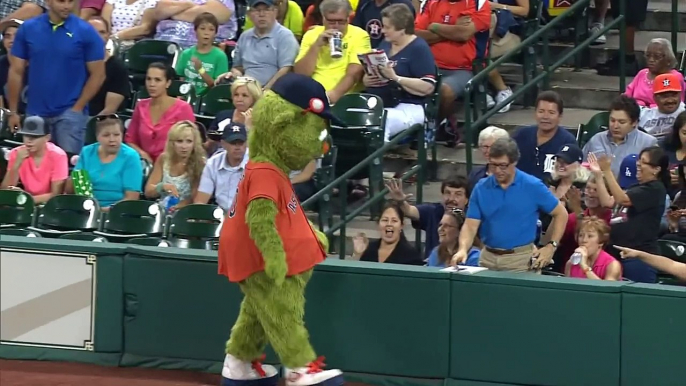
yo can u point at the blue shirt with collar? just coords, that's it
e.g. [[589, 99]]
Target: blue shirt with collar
[[602, 144], [539, 160], [58, 54], [508, 216]]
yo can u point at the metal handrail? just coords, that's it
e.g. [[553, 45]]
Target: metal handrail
[[675, 24], [531, 40]]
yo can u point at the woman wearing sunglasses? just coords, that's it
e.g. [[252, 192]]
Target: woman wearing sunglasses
[[449, 241], [114, 168]]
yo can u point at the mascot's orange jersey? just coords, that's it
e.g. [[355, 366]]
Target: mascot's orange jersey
[[238, 256]]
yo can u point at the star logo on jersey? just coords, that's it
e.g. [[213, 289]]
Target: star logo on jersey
[[374, 29], [666, 83]]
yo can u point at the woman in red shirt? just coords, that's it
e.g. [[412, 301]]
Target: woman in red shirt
[[153, 117]]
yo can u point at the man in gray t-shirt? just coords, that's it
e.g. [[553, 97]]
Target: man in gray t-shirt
[[266, 51]]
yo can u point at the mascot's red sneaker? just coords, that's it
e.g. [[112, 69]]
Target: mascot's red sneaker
[[240, 373], [313, 374]]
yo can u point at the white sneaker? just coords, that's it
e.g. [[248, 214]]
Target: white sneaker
[[595, 28], [313, 375], [238, 370], [501, 96], [489, 101]]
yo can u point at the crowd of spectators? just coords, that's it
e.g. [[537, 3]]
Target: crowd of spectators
[[579, 210]]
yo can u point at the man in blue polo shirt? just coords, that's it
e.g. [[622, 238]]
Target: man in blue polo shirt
[[67, 70], [504, 208]]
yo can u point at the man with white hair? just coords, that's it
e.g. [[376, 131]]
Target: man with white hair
[[486, 138]]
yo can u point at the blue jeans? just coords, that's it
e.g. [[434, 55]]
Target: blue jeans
[[68, 130]]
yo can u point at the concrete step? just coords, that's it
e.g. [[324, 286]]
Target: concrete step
[[659, 16], [600, 53], [580, 89]]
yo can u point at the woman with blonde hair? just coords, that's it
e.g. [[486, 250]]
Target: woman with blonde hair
[[568, 172], [589, 260], [245, 91], [176, 174]]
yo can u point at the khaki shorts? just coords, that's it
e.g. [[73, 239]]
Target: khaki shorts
[[500, 46]]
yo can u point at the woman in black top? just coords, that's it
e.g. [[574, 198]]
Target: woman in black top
[[392, 247], [644, 205]]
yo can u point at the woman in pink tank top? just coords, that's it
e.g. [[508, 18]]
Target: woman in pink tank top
[[592, 233]]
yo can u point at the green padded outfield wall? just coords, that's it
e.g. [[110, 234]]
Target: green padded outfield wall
[[653, 335], [535, 330], [107, 322], [391, 321]]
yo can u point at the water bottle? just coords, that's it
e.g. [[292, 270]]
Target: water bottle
[[576, 258], [169, 202]]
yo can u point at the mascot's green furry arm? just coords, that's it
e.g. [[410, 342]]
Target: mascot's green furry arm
[[267, 244]]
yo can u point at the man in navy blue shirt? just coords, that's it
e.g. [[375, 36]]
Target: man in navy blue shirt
[[454, 195], [503, 209], [368, 17], [67, 70], [539, 144]]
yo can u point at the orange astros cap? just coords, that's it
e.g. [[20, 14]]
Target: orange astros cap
[[666, 82]]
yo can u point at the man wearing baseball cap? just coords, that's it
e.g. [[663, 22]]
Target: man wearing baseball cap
[[39, 165], [658, 120], [223, 171], [8, 29]]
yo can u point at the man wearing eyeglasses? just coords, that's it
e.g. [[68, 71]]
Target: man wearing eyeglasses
[[267, 51], [504, 209], [338, 75]]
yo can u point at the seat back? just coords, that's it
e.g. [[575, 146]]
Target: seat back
[[201, 221], [596, 124], [16, 208], [217, 99], [147, 169], [673, 249], [70, 212], [148, 51], [364, 117], [360, 111], [178, 89], [19, 232], [135, 217], [84, 237]]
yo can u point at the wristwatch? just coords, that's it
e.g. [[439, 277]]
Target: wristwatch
[[553, 243]]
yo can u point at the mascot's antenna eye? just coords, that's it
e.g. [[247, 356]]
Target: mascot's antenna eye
[[316, 105]]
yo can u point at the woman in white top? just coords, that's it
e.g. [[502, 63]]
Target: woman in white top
[[177, 171], [130, 19]]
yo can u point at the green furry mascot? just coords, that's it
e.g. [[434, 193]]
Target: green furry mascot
[[268, 246]]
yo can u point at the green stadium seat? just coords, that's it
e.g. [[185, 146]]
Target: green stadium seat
[[596, 124], [16, 209], [133, 219], [673, 249], [84, 237], [67, 213], [365, 119], [19, 232], [196, 221], [178, 89], [149, 241], [217, 99], [148, 51]]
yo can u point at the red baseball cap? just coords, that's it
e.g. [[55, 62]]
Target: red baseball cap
[[666, 82]]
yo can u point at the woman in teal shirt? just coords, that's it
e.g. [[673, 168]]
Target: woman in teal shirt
[[114, 168]]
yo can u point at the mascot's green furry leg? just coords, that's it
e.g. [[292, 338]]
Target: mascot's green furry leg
[[275, 314]]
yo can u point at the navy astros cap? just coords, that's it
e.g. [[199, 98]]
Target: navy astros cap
[[570, 153], [235, 132], [306, 93]]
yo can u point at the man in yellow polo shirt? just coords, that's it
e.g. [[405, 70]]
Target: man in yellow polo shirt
[[339, 76]]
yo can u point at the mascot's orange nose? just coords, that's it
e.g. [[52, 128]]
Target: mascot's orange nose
[[325, 148]]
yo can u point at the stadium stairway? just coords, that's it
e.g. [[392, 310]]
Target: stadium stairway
[[585, 93]]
